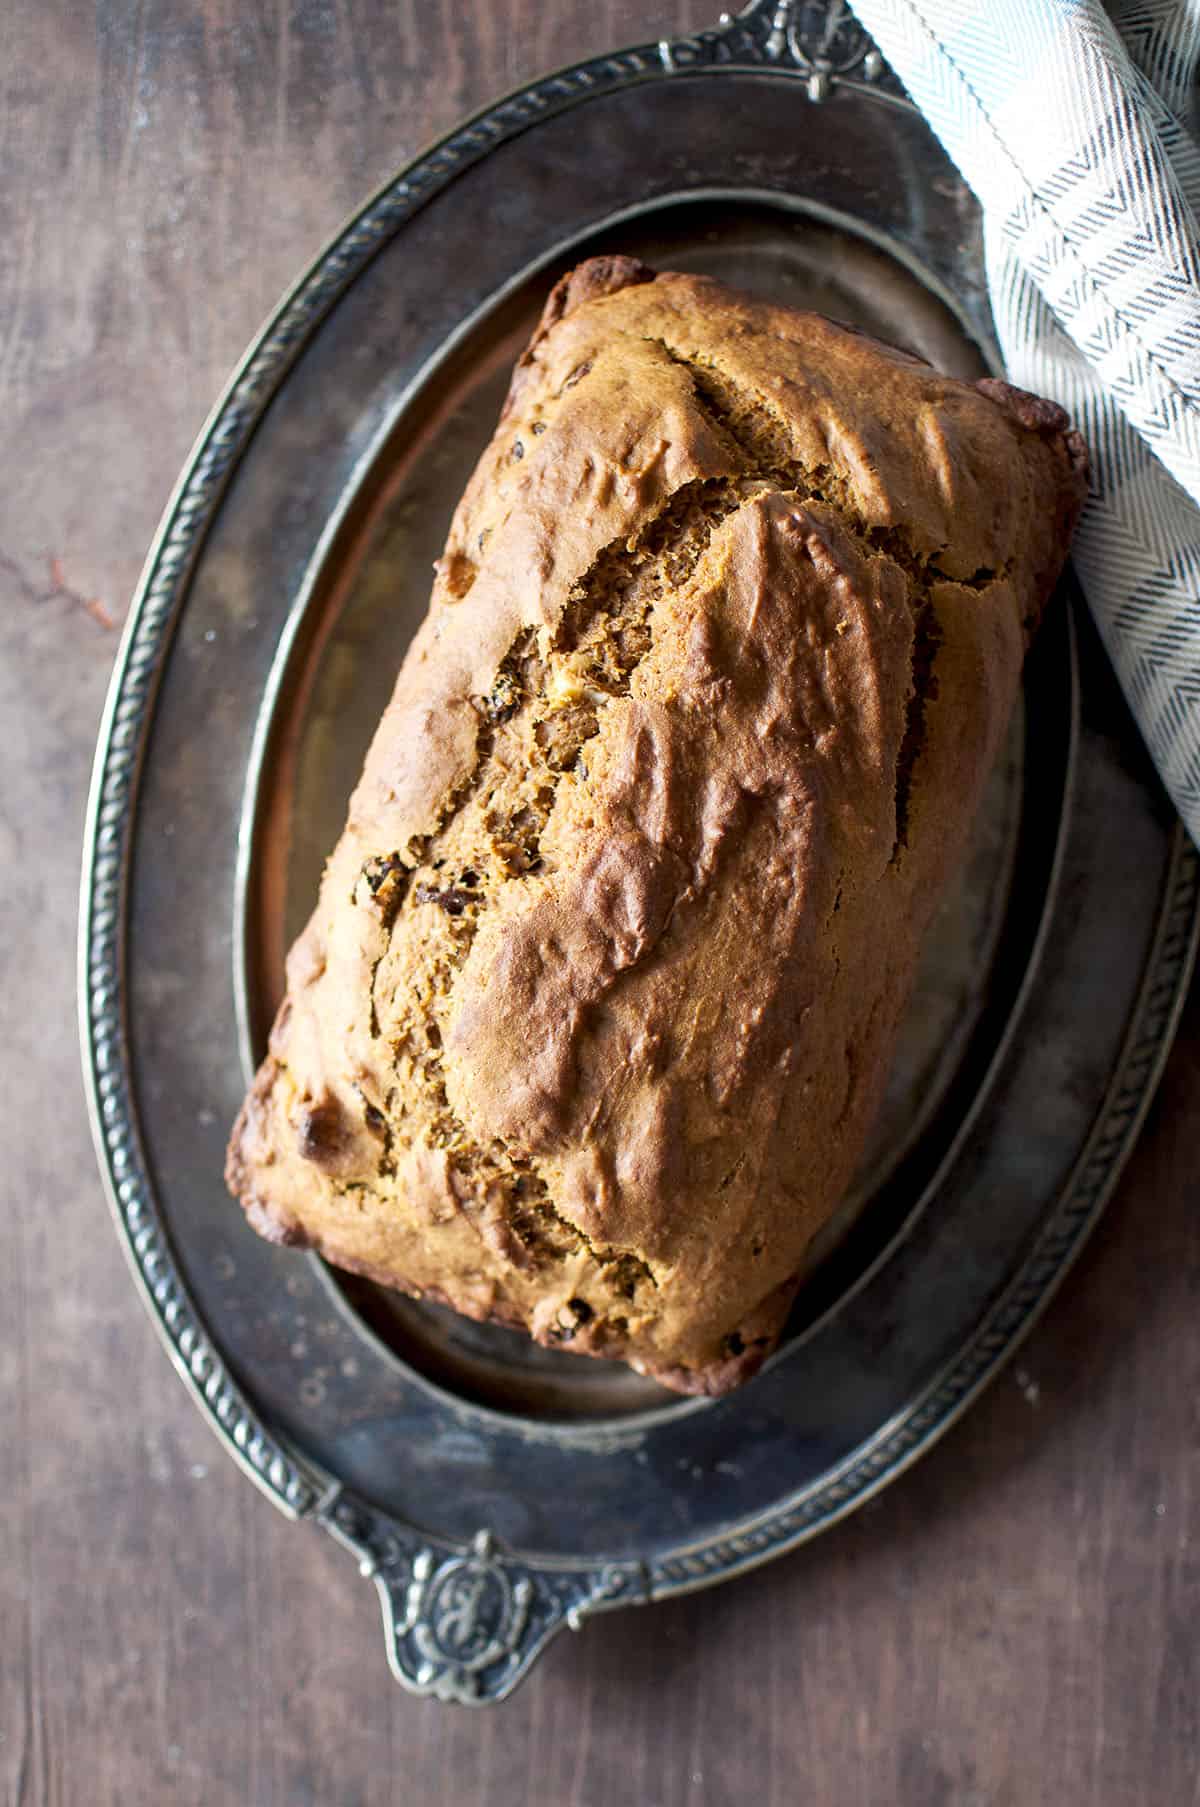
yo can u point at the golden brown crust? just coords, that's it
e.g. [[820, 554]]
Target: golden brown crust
[[590, 1022]]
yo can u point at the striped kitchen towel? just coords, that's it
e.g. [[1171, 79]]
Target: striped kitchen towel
[[1073, 126]]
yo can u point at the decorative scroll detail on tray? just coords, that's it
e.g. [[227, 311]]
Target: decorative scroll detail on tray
[[818, 39], [465, 1624]]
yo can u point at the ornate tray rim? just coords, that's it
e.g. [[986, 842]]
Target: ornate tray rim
[[524, 1604]]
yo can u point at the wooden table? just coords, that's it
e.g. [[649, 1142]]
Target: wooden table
[[1015, 1622]]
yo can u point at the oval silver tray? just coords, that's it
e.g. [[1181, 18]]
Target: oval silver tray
[[496, 1492]]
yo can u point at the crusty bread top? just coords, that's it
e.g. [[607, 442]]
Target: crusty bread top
[[589, 1024]]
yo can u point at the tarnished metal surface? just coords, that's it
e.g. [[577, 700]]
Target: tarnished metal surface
[[497, 1492]]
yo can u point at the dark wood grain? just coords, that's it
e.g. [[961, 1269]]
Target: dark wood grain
[[1013, 1623]]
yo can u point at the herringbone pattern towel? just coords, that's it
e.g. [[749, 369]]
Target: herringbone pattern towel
[[1073, 126]]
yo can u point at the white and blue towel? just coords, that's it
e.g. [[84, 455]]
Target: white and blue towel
[[1073, 126]]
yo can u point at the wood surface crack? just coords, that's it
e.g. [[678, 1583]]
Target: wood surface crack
[[58, 588]]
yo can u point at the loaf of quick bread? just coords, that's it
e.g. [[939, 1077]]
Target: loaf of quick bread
[[588, 1027]]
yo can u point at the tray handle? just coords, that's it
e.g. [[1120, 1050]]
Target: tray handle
[[821, 39], [465, 1622]]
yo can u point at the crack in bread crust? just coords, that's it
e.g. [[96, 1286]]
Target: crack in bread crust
[[545, 705], [760, 438]]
